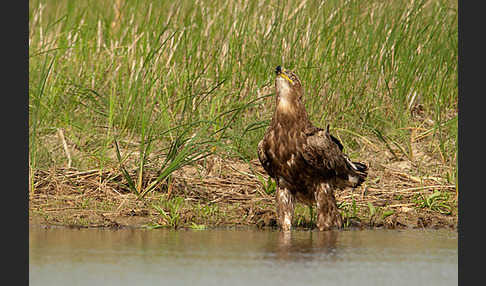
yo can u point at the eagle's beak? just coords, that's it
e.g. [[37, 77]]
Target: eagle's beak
[[281, 72]]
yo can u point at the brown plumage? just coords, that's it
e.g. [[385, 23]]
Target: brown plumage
[[306, 162]]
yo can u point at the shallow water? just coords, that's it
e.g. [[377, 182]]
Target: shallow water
[[242, 257]]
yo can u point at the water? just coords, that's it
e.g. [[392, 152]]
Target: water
[[242, 257]]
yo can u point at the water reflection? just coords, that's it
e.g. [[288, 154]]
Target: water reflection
[[309, 245], [128, 257]]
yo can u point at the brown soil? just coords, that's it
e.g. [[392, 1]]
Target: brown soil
[[229, 193]]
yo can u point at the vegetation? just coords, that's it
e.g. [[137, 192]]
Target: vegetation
[[140, 89]]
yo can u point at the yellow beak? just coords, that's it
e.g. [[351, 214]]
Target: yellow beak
[[286, 77]]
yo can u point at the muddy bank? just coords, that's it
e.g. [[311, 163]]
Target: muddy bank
[[232, 193]]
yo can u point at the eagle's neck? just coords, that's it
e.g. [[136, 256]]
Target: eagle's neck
[[285, 106], [291, 113]]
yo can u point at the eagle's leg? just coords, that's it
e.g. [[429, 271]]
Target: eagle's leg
[[328, 215], [285, 207]]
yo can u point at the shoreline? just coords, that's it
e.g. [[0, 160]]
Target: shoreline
[[228, 196]]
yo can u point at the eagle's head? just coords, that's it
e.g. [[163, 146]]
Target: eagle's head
[[288, 87]]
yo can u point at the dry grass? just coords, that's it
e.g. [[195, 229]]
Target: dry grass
[[230, 193]]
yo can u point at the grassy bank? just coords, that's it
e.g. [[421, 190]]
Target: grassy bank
[[140, 89]]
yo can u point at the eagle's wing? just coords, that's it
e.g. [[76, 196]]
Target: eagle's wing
[[323, 152], [264, 160], [312, 130]]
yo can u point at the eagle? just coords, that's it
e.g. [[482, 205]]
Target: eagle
[[306, 162]]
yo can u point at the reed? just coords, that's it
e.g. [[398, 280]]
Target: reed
[[139, 83]]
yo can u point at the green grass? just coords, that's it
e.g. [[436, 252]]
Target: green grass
[[438, 201], [177, 72], [349, 212], [169, 210]]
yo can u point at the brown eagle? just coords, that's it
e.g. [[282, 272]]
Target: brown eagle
[[306, 162]]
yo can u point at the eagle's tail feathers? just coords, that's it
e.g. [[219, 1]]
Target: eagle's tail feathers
[[360, 172]]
